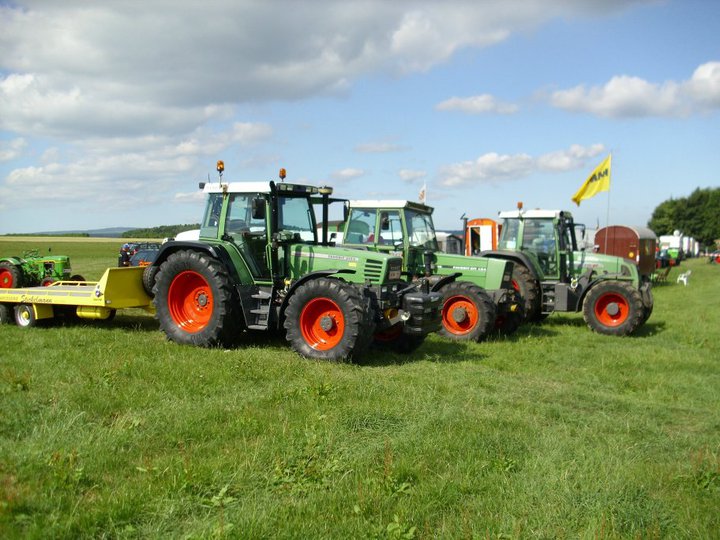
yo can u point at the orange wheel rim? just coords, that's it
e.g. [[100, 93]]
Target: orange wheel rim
[[612, 309], [322, 324], [459, 315], [6, 279], [190, 301]]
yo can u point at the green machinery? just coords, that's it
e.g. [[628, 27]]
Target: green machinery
[[259, 265], [552, 275], [477, 292], [33, 269]]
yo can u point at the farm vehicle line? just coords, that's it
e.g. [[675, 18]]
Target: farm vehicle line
[[258, 265]]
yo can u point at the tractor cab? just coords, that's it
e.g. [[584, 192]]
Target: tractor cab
[[548, 235], [401, 227]]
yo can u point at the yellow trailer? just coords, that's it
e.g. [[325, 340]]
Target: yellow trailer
[[118, 288]]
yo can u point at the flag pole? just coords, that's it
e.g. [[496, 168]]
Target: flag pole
[[607, 215]]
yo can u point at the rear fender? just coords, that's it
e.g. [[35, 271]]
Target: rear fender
[[516, 257], [218, 252]]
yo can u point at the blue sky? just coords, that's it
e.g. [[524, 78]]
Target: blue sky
[[110, 114]]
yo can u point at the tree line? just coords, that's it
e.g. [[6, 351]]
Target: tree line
[[697, 215], [163, 231]]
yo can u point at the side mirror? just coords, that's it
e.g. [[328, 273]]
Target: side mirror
[[258, 208], [384, 222]]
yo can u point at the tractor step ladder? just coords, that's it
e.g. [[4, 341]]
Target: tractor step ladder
[[548, 298], [261, 313]]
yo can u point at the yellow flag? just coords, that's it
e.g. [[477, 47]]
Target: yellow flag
[[599, 180]]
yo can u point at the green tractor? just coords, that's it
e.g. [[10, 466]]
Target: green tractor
[[483, 301], [259, 265], [33, 269], [552, 275]]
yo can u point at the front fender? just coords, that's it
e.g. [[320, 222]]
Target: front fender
[[305, 279]]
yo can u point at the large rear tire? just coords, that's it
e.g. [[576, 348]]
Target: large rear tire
[[614, 308], [10, 276], [194, 301], [526, 285], [326, 319], [468, 312]]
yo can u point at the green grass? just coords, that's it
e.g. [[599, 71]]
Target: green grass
[[108, 430]]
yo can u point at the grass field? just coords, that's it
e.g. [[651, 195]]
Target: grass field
[[108, 430]]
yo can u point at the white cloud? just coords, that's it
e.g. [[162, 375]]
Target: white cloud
[[625, 96], [347, 174], [409, 175], [12, 149], [484, 103], [494, 168], [108, 69]]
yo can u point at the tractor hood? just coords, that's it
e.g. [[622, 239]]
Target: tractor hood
[[361, 266], [494, 272], [604, 264]]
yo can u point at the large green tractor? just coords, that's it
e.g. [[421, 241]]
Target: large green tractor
[[477, 292], [552, 275], [259, 265], [33, 269]]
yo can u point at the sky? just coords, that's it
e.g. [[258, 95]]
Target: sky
[[112, 112]]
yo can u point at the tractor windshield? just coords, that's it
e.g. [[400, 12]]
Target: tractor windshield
[[295, 215], [421, 231]]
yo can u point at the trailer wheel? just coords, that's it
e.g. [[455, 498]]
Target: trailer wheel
[[194, 301], [10, 277], [613, 308], [25, 316], [5, 313], [327, 319], [526, 285], [468, 312]]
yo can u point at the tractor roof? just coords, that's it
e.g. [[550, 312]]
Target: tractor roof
[[258, 187], [537, 213], [393, 204]]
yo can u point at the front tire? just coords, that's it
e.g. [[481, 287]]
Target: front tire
[[613, 308], [194, 301], [468, 312], [10, 276], [5, 313], [326, 319]]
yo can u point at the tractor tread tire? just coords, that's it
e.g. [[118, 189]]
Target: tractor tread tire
[[529, 290], [6, 313], [481, 301], [357, 319], [632, 312], [224, 324], [148, 279], [8, 269]]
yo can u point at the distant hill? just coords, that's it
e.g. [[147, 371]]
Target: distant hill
[[162, 231]]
